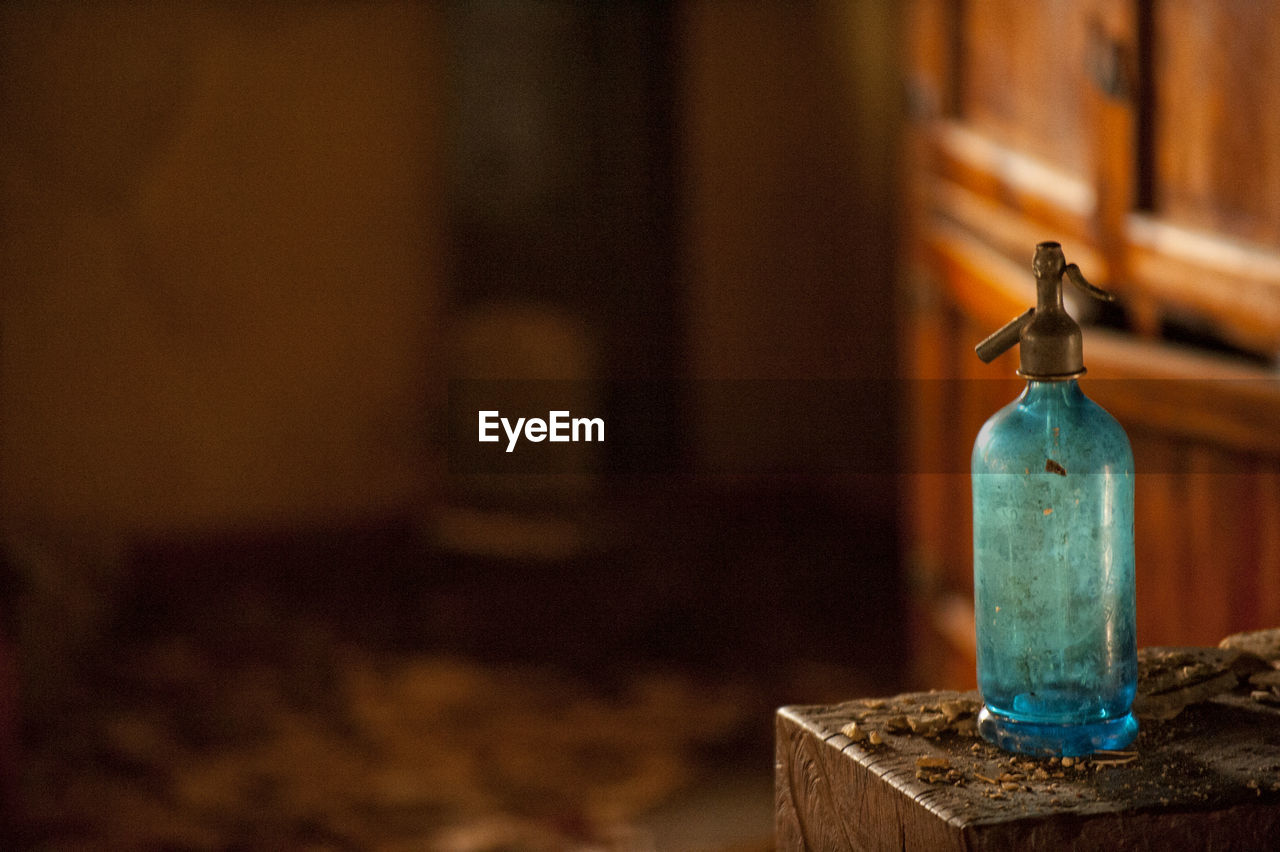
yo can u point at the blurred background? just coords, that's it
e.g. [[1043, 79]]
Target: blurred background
[[263, 263]]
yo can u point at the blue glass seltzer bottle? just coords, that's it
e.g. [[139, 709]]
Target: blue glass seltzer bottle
[[1053, 544]]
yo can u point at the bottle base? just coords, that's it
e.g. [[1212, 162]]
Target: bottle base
[[1052, 740]]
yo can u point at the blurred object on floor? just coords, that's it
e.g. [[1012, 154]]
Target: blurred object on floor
[[344, 748], [351, 687], [729, 813]]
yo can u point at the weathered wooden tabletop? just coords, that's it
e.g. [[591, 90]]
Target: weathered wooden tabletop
[[910, 773]]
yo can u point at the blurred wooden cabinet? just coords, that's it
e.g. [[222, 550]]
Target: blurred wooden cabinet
[[1145, 136]]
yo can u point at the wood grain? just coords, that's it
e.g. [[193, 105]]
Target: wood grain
[[1022, 69], [1204, 780], [1217, 122]]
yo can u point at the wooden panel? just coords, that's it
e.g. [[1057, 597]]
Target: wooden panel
[[1011, 228], [1234, 285], [1160, 546], [1219, 547], [1021, 191], [1202, 399], [1217, 116], [1023, 77], [227, 229], [936, 496], [930, 411], [930, 47], [1207, 540], [1166, 189], [1268, 532]]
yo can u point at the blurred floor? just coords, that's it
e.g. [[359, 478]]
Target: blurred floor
[[348, 750], [262, 694]]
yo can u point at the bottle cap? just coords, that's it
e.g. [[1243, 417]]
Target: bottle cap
[[1048, 338]]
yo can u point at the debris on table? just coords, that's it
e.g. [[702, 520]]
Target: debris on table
[[1208, 772], [1170, 679], [950, 715], [1260, 643]]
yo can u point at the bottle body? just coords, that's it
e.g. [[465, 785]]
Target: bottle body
[[1054, 574]]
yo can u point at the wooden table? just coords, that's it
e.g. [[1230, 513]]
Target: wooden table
[[1208, 779]]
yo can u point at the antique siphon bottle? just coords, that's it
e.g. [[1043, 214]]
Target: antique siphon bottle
[[1053, 568]]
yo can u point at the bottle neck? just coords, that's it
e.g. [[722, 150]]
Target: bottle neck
[[1049, 293], [1065, 391]]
